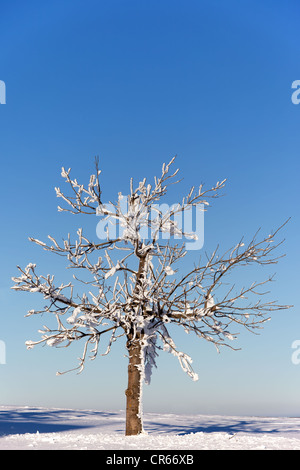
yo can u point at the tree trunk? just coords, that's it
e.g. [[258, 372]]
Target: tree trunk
[[134, 423]]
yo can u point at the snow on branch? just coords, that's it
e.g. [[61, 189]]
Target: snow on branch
[[138, 286], [84, 200]]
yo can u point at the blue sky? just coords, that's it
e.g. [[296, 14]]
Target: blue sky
[[137, 82]]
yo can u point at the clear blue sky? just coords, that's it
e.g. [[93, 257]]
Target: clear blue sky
[[136, 82]]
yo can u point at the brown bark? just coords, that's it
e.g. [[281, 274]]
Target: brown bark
[[134, 423], [133, 393]]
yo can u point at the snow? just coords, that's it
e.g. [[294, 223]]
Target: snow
[[40, 428], [169, 271]]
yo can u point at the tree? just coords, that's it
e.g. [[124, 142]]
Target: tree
[[133, 289]]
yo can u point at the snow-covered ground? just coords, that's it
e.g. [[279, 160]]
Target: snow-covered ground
[[43, 428]]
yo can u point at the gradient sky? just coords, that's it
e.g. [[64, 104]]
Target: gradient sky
[[137, 82]]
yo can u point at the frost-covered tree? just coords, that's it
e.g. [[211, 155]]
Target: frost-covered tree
[[134, 284]]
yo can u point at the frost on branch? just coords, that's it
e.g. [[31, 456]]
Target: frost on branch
[[134, 285]]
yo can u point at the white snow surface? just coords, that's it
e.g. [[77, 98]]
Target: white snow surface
[[39, 428]]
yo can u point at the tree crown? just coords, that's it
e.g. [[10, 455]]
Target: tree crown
[[135, 289]]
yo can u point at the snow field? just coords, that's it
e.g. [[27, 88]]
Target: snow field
[[29, 428]]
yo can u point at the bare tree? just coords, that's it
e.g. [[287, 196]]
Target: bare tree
[[133, 289]]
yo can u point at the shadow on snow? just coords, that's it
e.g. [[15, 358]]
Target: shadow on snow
[[231, 427], [33, 420]]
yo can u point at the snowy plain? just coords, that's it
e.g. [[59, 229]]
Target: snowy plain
[[31, 428]]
